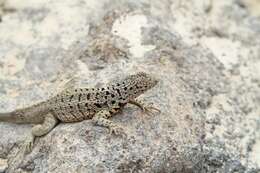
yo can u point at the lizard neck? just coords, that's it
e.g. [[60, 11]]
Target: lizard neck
[[127, 91]]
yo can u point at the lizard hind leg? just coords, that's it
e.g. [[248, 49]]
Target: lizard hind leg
[[39, 130], [101, 119]]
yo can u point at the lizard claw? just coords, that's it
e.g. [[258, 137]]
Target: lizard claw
[[150, 109], [28, 144], [117, 130]]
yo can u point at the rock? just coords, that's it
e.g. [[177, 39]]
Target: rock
[[206, 56], [3, 165]]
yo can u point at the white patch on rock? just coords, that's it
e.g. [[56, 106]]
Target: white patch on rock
[[83, 68], [253, 6], [129, 27], [255, 154], [21, 34], [256, 70], [12, 64], [3, 165], [224, 49]]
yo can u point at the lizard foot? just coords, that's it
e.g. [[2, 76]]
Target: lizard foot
[[117, 130], [28, 144], [150, 109]]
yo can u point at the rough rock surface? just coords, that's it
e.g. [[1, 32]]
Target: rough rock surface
[[205, 53]]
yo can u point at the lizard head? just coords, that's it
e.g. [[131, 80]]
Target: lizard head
[[145, 81], [140, 82]]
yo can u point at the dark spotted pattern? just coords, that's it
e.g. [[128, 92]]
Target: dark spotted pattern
[[83, 103]]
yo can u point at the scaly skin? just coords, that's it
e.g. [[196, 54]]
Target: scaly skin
[[80, 104]]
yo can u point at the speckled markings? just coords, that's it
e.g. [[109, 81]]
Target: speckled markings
[[80, 104]]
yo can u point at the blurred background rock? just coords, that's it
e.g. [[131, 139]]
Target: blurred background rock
[[206, 54]]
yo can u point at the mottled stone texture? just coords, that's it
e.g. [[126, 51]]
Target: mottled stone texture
[[205, 53]]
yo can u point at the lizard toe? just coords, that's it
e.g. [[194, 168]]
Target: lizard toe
[[151, 110], [117, 130], [28, 144]]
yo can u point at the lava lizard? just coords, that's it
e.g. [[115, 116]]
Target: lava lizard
[[74, 105]]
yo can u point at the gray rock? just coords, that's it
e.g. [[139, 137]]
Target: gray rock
[[206, 56], [3, 165]]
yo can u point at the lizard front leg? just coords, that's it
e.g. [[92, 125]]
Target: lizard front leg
[[40, 129], [101, 119], [147, 109]]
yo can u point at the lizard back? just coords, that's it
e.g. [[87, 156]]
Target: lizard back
[[83, 103]]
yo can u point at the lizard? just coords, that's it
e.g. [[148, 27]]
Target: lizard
[[79, 104]]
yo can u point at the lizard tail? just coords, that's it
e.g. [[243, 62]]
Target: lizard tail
[[6, 117], [12, 117], [32, 114]]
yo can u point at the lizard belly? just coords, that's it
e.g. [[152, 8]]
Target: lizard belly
[[73, 113]]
